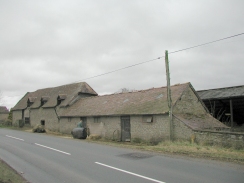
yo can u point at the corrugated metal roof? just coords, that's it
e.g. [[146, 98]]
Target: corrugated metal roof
[[151, 101], [222, 93]]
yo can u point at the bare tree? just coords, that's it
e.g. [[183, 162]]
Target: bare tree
[[124, 90]]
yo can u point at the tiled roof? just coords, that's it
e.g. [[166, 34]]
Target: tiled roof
[[3, 110], [151, 101], [50, 95], [205, 122], [222, 93]]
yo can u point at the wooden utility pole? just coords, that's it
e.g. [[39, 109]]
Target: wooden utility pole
[[169, 96]]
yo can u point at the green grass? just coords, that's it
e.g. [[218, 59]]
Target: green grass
[[183, 148], [9, 175]]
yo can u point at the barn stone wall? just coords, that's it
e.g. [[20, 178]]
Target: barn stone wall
[[3, 116], [17, 115], [68, 124], [48, 115], [224, 139], [181, 131], [189, 104], [157, 129], [110, 127]]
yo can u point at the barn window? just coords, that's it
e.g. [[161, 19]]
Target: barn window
[[42, 122], [27, 121], [44, 99], [97, 119], [147, 119]]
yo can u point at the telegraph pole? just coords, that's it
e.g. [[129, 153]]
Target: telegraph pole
[[169, 96]]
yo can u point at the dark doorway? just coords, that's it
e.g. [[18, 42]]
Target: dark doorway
[[125, 128], [43, 122]]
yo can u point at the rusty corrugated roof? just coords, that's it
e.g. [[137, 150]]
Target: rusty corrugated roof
[[151, 101]]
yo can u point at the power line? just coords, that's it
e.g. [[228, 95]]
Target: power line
[[206, 43], [120, 69], [203, 44]]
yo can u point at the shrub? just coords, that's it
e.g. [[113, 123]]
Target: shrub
[[155, 141], [137, 140], [95, 137]]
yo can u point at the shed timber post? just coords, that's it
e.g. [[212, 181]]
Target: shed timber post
[[231, 113], [169, 96]]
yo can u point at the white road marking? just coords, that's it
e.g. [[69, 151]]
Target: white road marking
[[131, 173], [14, 138], [53, 149]]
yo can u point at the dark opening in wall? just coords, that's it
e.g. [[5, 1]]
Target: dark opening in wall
[[42, 122], [27, 121]]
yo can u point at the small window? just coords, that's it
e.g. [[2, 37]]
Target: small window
[[69, 119], [147, 119], [27, 121], [97, 119], [43, 122]]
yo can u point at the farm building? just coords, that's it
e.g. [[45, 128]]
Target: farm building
[[44, 106], [122, 116], [3, 113], [225, 104]]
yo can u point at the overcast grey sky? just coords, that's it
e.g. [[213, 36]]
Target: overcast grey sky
[[51, 43]]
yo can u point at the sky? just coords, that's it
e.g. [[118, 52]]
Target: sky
[[48, 43]]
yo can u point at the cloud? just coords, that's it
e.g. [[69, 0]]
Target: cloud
[[46, 44]]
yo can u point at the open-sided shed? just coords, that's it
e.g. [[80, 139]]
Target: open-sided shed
[[225, 104]]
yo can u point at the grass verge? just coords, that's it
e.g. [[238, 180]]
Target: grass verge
[[9, 175], [183, 148]]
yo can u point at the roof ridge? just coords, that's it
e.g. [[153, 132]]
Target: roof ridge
[[137, 91], [222, 88]]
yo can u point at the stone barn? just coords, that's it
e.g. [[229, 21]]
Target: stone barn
[[45, 105], [141, 114], [126, 116], [3, 113]]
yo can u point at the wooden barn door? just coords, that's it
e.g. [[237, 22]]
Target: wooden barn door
[[125, 128]]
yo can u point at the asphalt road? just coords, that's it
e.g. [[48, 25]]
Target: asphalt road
[[51, 159]]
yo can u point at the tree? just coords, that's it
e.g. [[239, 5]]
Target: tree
[[124, 90]]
